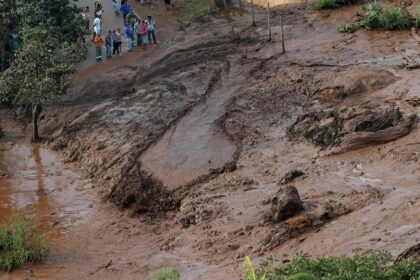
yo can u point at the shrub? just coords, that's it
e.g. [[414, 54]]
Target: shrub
[[166, 274], [20, 244], [375, 266], [330, 4], [397, 18], [372, 13], [377, 18]]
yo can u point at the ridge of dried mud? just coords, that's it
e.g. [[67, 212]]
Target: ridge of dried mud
[[222, 88]]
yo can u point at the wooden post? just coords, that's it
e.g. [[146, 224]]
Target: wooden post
[[268, 21], [253, 15], [283, 50]]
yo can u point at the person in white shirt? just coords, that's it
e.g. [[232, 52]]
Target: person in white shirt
[[97, 25]]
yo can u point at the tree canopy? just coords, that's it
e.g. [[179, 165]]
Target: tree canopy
[[51, 32]]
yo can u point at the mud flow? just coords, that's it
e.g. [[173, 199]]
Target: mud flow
[[216, 145]]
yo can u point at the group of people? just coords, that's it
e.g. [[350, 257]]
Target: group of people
[[141, 31]]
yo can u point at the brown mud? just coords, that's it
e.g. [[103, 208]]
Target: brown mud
[[194, 141]]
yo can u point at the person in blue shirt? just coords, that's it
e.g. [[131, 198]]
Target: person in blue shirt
[[128, 34], [125, 9]]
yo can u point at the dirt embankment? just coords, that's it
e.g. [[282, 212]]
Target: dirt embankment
[[198, 137]]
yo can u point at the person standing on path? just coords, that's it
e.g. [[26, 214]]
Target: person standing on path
[[125, 9], [128, 34], [98, 4], [117, 7], [116, 39], [86, 18], [97, 25], [98, 45], [151, 26], [137, 30], [144, 35], [108, 44], [132, 19]]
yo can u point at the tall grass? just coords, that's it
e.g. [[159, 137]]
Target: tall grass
[[20, 244]]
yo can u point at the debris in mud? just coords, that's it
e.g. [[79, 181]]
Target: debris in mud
[[291, 176], [142, 193], [352, 82], [285, 204], [315, 213], [353, 127]]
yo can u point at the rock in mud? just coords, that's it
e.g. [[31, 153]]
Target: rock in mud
[[291, 176], [285, 204], [353, 127]]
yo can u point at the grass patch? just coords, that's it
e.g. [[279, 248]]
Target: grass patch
[[378, 266], [348, 27], [193, 9], [331, 4], [20, 244], [166, 274]]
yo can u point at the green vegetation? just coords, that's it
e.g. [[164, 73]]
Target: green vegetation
[[20, 244], [375, 17], [348, 27], [166, 274], [51, 32], [193, 9], [377, 266], [330, 4]]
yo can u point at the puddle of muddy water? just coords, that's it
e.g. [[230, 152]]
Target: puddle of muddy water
[[34, 183]]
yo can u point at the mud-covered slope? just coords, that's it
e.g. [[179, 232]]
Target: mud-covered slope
[[200, 134]]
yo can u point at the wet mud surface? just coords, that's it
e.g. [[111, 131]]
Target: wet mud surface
[[191, 148]]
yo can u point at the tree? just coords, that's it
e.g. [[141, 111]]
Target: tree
[[52, 36]]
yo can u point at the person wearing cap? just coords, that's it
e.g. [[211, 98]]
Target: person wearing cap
[[108, 44]]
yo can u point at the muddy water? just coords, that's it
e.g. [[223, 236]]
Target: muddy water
[[35, 183]]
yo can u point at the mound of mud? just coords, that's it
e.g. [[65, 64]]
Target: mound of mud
[[356, 81], [353, 127]]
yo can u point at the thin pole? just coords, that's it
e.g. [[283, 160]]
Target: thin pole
[[268, 21], [253, 15], [282, 35]]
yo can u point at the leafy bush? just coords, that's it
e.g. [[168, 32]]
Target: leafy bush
[[372, 13], [20, 244], [166, 274], [330, 4], [375, 267], [375, 17]]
